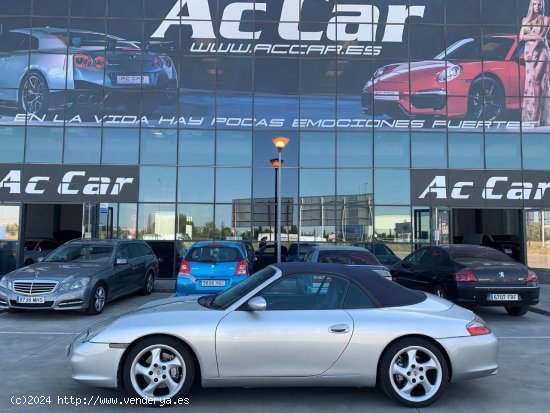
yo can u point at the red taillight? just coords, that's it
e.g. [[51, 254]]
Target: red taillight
[[82, 60], [100, 62], [157, 62], [532, 277], [464, 276], [242, 268], [185, 268], [167, 61], [478, 328]]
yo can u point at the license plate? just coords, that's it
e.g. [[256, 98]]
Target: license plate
[[30, 300], [132, 80], [503, 297], [213, 283]]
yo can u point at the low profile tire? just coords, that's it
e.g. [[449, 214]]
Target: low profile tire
[[98, 298], [440, 291], [517, 310], [413, 372], [34, 94], [149, 284], [159, 368], [486, 99]]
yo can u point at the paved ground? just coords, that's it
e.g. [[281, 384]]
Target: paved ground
[[34, 364]]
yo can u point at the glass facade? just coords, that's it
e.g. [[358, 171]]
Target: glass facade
[[192, 92]]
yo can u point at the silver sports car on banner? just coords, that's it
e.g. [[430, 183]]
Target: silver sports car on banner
[[291, 324], [38, 64]]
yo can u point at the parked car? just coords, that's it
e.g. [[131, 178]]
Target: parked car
[[381, 251], [98, 65], [507, 243], [266, 331], [36, 248], [352, 256], [473, 78], [297, 251], [267, 255], [212, 266], [470, 275], [81, 275]]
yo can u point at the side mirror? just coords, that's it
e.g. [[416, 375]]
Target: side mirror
[[121, 261], [257, 304]]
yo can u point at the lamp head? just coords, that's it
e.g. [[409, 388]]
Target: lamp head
[[280, 142], [275, 162]]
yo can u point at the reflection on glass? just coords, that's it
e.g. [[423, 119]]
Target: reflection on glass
[[195, 222], [317, 149], [156, 222], [392, 187], [538, 237], [12, 142], [317, 218], [502, 151], [393, 224], [536, 151], [354, 150], [429, 150], [233, 183], [44, 144], [82, 145], [196, 147], [317, 182], [264, 150], [354, 181], [466, 151], [196, 184], [9, 238], [233, 220], [354, 216], [120, 146], [158, 146], [391, 149], [127, 221], [234, 148], [157, 184]]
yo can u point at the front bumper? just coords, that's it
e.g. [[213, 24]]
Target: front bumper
[[94, 364], [471, 357], [56, 300], [476, 295]]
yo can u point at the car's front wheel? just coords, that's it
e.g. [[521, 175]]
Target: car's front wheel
[[149, 284], [413, 372], [34, 94], [486, 99], [517, 310], [159, 368], [97, 299]]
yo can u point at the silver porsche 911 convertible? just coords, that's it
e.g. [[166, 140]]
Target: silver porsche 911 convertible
[[291, 324]]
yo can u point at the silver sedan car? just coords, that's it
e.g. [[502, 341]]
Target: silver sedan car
[[290, 324]]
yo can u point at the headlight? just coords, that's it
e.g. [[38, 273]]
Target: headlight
[[451, 73], [380, 72], [4, 283], [80, 283], [97, 328]]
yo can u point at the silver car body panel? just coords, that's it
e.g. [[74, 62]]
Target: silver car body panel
[[293, 348]]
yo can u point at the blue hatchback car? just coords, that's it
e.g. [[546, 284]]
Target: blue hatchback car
[[211, 267]]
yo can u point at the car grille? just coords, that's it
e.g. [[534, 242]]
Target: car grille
[[34, 287]]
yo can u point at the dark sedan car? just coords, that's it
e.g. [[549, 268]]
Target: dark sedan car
[[382, 252], [81, 275], [470, 275]]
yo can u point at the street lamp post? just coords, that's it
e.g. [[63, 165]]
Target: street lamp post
[[275, 163], [280, 142]]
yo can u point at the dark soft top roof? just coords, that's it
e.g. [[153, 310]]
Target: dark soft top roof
[[386, 293]]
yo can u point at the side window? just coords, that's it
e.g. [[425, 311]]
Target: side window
[[356, 299], [306, 292], [135, 251], [416, 256], [122, 252], [145, 250]]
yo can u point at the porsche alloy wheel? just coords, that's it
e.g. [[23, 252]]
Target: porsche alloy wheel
[[34, 94], [486, 100], [413, 372], [159, 368]]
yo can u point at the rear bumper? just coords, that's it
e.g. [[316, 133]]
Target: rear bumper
[[187, 285], [479, 295]]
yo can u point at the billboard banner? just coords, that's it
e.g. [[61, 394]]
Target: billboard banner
[[430, 65]]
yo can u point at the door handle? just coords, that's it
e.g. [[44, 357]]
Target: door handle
[[339, 328]]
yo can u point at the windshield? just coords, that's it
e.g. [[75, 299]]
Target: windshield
[[81, 252], [478, 254], [228, 297], [214, 253], [489, 48]]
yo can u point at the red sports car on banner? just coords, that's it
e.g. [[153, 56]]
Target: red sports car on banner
[[475, 78]]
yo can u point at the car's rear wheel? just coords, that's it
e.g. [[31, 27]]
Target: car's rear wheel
[[149, 284], [34, 94], [98, 299], [413, 372], [486, 99], [159, 368], [517, 310]]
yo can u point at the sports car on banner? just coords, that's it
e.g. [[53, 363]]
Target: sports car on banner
[[90, 66], [475, 78]]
